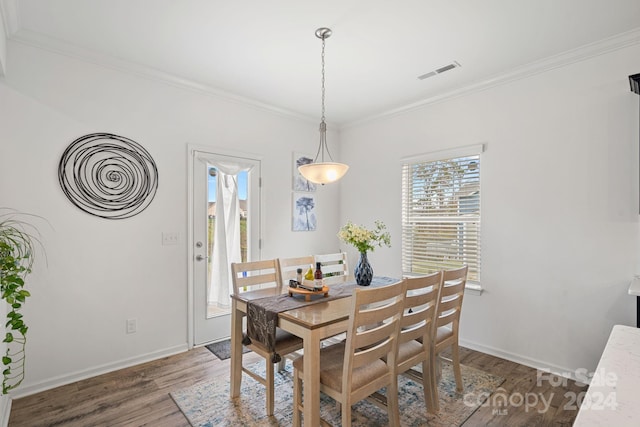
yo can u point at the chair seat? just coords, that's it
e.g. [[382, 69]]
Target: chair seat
[[409, 349], [331, 362], [284, 341], [443, 333]]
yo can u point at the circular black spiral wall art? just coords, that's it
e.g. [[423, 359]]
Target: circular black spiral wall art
[[108, 176]]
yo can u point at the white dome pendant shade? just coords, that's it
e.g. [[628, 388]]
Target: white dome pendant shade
[[323, 172]]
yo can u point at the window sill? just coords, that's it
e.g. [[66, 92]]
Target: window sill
[[473, 288]]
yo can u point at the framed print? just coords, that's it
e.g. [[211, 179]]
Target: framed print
[[299, 182], [304, 212]]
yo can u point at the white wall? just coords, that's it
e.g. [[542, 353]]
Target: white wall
[[3, 44], [3, 307], [5, 401], [560, 235], [101, 272]]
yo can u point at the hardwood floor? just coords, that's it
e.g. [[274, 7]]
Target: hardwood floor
[[139, 396], [526, 395]]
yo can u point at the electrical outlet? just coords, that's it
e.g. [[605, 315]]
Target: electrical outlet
[[169, 238], [132, 326]]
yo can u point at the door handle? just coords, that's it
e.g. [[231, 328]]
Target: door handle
[[199, 257]]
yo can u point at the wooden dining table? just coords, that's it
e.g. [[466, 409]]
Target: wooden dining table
[[312, 323]]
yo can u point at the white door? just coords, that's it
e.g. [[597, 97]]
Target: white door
[[210, 283]]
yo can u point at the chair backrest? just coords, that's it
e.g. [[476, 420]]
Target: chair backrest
[[451, 294], [248, 276], [334, 267], [372, 334], [288, 267], [419, 312]]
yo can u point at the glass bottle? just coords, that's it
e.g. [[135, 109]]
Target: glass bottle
[[318, 276]]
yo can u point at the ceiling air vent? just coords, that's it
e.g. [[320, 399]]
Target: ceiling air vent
[[440, 70]]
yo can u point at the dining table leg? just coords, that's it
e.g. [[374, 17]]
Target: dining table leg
[[311, 378], [236, 349]]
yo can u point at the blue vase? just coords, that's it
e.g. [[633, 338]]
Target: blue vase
[[363, 271]]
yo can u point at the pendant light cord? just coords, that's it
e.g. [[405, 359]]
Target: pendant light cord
[[323, 126], [322, 118]]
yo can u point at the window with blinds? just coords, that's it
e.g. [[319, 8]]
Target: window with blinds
[[441, 212]]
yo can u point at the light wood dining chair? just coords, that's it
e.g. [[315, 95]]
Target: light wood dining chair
[[352, 370], [415, 341], [447, 322], [248, 276], [335, 267], [288, 267]]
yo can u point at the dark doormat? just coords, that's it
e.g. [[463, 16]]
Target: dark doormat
[[222, 349]]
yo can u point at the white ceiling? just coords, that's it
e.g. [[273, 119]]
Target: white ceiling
[[266, 51]]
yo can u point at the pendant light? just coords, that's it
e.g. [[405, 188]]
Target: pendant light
[[321, 172]]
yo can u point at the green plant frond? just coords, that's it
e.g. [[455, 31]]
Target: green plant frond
[[16, 368], [17, 380], [14, 279], [25, 234], [17, 353], [13, 377], [18, 241], [14, 324]]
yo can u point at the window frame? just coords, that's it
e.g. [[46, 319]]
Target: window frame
[[473, 284]]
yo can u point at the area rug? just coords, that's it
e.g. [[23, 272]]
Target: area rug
[[222, 349], [209, 404]]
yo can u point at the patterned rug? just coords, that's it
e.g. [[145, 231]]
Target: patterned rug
[[208, 404]]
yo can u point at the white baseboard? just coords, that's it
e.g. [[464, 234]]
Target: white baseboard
[[28, 389], [5, 409], [523, 360]]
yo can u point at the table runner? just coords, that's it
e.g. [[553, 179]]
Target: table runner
[[262, 313]]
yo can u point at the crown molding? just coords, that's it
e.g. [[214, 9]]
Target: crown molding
[[563, 59], [39, 41], [9, 11]]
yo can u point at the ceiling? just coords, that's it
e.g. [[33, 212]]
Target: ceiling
[[266, 52]]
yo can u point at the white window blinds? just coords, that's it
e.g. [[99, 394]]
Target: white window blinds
[[441, 212]]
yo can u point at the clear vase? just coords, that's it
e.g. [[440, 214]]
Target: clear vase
[[363, 272]]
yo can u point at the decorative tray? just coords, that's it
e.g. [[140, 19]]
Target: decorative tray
[[308, 293]]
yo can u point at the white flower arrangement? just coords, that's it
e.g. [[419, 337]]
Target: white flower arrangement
[[364, 239]]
